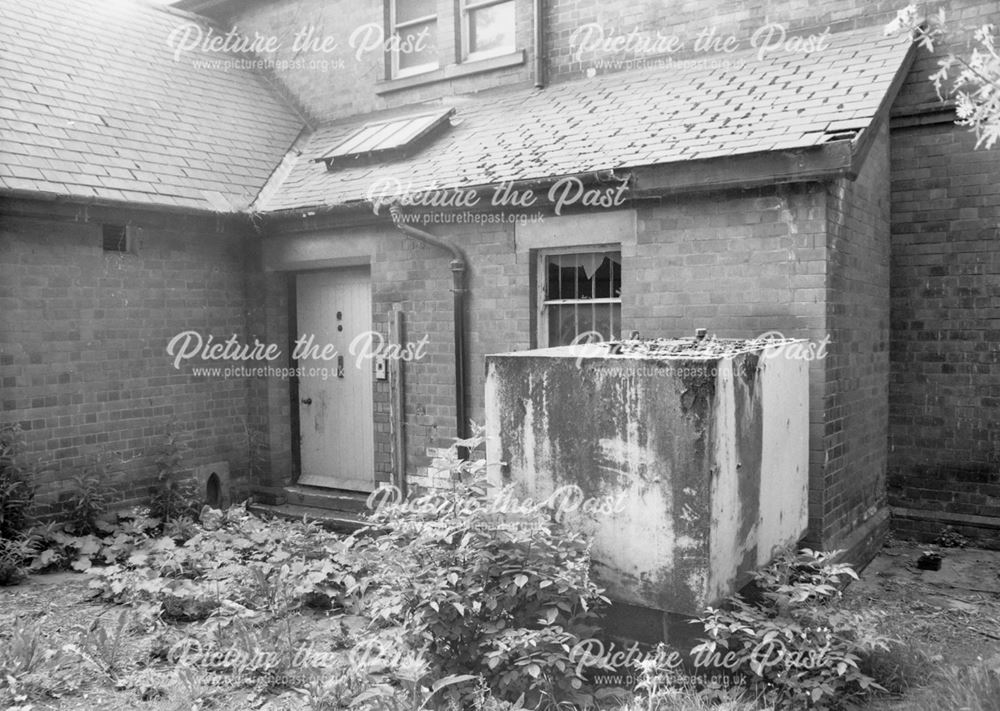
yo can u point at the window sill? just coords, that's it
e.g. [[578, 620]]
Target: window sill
[[452, 71]]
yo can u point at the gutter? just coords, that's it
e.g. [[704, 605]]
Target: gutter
[[86, 202], [458, 274]]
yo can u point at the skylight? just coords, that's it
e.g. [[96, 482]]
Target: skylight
[[399, 136]]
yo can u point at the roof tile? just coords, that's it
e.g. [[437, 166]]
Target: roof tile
[[85, 81], [616, 121]]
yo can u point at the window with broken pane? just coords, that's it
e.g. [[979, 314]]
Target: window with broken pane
[[581, 293]]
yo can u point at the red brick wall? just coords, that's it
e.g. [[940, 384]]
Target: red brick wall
[[83, 336]]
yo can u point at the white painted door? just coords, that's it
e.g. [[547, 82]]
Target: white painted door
[[336, 425]]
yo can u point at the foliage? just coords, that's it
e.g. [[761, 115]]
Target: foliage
[[974, 688], [17, 490], [898, 668], [245, 565], [415, 691], [91, 496], [794, 641], [973, 82], [487, 593], [105, 649], [30, 669], [661, 687], [15, 554], [174, 495]]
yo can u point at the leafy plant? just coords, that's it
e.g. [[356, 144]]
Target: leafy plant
[[415, 692], [498, 596], [793, 641], [14, 558], [973, 82], [30, 669], [660, 686], [90, 498], [103, 648], [174, 495], [17, 491]]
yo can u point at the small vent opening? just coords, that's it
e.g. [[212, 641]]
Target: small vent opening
[[115, 238]]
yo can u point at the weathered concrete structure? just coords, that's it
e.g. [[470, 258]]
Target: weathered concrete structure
[[701, 449]]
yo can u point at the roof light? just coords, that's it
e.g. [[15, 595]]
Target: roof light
[[399, 136]]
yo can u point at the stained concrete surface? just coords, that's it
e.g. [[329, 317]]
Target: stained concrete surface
[[953, 614]]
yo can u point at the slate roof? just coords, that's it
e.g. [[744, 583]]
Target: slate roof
[[94, 106], [627, 119]]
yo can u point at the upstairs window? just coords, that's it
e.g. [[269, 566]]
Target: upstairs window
[[414, 36], [488, 28], [580, 292]]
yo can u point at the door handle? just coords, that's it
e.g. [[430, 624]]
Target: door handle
[[340, 366], [307, 401]]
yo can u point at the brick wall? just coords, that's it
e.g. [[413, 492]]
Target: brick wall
[[855, 395], [701, 29], [739, 263], [945, 397], [944, 455], [82, 344], [343, 82]]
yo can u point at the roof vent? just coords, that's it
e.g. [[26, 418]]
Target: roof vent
[[393, 138], [846, 135]]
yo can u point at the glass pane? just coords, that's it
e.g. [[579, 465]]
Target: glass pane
[[407, 10], [583, 276], [417, 45], [491, 29], [568, 321]]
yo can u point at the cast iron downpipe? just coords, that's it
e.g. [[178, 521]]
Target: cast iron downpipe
[[539, 44], [458, 289]]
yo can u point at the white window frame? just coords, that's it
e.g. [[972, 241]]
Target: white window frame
[[541, 281], [396, 72], [465, 8]]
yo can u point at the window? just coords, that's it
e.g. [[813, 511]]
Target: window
[[487, 28], [414, 36], [579, 291]]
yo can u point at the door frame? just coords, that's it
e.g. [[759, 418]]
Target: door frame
[[295, 424]]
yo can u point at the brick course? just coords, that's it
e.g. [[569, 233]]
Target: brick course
[[83, 334], [945, 395]]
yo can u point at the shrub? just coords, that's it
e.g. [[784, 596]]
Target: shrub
[[793, 641], [173, 496], [90, 498], [14, 557], [17, 492], [504, 597]]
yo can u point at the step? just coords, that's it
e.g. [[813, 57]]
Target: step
[[339, 521], [333, 499], [313, 496]]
